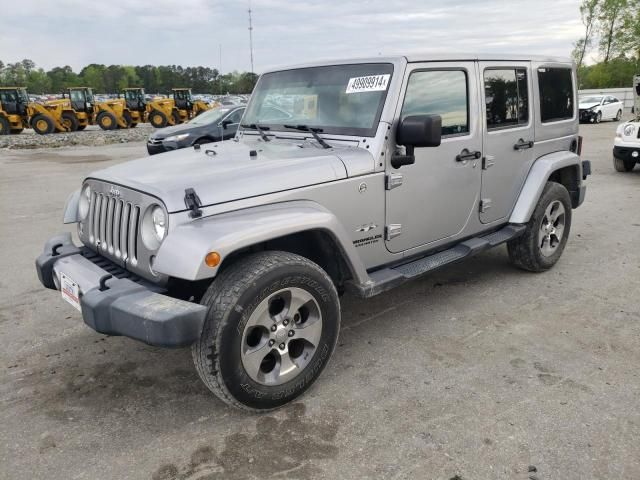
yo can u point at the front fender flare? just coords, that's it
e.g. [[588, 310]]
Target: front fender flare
[[537, 179], [182, 253]]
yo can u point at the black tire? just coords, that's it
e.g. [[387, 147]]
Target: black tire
[[526, 251], [5, 126], [598, 117], [127, 119], [107, 121], [232, 299], [42, 124], [70, 121], [176, 118], [158, 119], [619, 116], [203, 141], [16, 131], [133, 124], [623, 165]]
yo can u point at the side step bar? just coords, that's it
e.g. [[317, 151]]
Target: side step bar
[[388, 278]]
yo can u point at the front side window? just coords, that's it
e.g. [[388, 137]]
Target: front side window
[[506, 97], [236, 116], [439, 92], [556, 94], [339, 99]]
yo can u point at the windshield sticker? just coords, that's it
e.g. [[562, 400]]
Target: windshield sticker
[[370, 83]]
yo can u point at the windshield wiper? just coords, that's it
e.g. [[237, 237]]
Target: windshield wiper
[[312, 131], [261, 129]]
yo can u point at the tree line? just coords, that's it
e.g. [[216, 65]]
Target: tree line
[[612, 33], [113, 78]]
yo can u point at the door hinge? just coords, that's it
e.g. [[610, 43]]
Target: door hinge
[[488, 161], [393, 180], [485, 204], [392, 231]]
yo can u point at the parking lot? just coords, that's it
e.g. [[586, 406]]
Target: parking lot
[[479, 371]]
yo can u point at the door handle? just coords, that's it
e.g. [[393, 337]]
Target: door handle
[[522, 145], [465, 155]]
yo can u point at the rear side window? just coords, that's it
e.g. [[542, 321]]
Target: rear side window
[[556, 94], [506, 97], [443, 93]]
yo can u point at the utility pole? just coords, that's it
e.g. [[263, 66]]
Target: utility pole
[[220, 68], [250, 37]]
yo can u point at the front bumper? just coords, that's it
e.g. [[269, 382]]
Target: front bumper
[[627, 153], [588, 116], [115, 302]]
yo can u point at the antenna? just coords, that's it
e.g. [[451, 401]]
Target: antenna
[[250, 36]]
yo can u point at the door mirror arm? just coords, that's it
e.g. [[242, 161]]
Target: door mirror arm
[[409, 158]]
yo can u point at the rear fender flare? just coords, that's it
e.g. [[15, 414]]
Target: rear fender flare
[[183, 251], [537, 178]]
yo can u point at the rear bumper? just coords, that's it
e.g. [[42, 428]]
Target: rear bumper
[[627, 153], [114, 302]]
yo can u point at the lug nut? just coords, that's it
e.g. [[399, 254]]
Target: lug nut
[[291, 333], [271, 342], [282, 346], [274, 328], [285, 322]]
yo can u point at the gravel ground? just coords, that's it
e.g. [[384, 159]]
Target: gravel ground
[[476, 372], [92, 136]]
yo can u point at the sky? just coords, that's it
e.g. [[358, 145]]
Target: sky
[[191, 32]]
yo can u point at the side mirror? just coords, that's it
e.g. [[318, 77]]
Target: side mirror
[[417, 131], [226, 123]]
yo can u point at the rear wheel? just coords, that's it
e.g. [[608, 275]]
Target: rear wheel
[[42, 124], [272, 324], [107, 121], [176, 118], [157, 119], [619, 115], [69, 121], [623, 165], [545, 237], [5, 126]]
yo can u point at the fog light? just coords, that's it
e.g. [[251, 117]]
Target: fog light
[[635, 154], [212, 259]]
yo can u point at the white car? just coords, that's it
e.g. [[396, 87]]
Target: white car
[[595, 108], [626, 147]]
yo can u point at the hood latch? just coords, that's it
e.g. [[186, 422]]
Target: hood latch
[[193, 203]]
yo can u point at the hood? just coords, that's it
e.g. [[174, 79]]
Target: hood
[[232, 174], [585, 106], [174, 130]]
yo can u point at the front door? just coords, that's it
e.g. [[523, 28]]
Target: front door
[[434, 198], [508, 137]]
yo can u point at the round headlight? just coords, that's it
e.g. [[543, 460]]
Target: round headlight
[[159, 220], [628, 130], [83, 203]]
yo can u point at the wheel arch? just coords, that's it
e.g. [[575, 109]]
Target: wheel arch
[[562, 167], [302, 227]]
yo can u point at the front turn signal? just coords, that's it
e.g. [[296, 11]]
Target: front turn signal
[[212, 259]]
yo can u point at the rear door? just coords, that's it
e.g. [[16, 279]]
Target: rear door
[[508, 135]]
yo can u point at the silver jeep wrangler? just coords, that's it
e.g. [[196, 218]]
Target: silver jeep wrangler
[[350, 175]]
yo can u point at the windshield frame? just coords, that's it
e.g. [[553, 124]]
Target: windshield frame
[[323, 129]]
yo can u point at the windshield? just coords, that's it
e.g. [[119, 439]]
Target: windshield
[[134, 94], [339, 99], [590, 99], [210, 116]]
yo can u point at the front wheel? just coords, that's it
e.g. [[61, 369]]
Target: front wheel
[[272, 324], [619, 115], [623, 165], [599, 117], [545, 237]]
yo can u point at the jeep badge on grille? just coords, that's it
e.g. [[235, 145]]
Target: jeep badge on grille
[[114, 191]]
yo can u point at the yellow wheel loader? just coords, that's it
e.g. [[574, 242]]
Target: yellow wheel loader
[[173, 111], [17, 113], [124, 112], [78, 108], [14, 105]]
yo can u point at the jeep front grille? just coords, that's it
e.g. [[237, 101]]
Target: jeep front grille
[[113, 226]]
